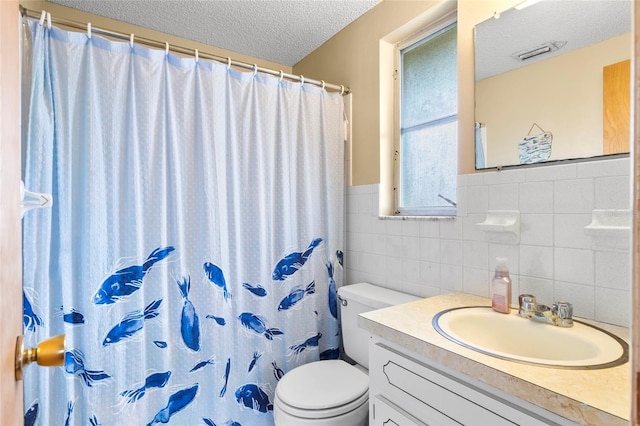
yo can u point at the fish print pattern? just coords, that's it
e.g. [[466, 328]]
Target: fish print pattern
[[340, 257], [258, 290], [31, 415], [72, 317], [277, 371], [202, 364], [189, 322], [159, 216], [252, 396], [310, 342], [226, 378], [296, 295], [257, 324], [216, 276], [256, 356], [67, 419], [177, 402], [74, 365], [333, 292], [93, 421], [156, 380], [132, 323], [291, 263], [331, 353], [128, 280], [30, 319], [209, 422], [218, 320]]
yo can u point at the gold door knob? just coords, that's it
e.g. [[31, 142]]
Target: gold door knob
[[49, 353]]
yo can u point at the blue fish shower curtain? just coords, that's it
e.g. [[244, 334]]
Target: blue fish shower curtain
[[194, 245]]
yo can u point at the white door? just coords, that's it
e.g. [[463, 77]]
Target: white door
[[11, 412]]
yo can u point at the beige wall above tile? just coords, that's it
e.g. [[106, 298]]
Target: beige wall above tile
[[352, 58]]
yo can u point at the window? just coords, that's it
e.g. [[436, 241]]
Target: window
[[427, 139]]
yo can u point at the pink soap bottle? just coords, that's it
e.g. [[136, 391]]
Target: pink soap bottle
[[501, 287]]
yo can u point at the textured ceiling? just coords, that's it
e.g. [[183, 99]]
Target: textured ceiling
[[281, 31], [578, 22]]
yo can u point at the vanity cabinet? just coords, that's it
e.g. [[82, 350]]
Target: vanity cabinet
[[407, 389]]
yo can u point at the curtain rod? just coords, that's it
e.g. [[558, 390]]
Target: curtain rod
[[179, 49]]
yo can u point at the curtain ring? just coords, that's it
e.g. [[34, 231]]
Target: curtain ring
[[42, 16], [196, 54], [48, 20], [281, 75], [131, 40], [341, 90], [166, 47], [228, 63], [301, 80], [255, 69], [322, 84], [89, 29]]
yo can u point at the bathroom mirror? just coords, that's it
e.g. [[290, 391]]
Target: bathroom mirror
[[552, 82]]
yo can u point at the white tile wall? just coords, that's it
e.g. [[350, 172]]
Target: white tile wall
[[553, 260]]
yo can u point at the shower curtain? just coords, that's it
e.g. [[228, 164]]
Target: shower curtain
[[194, 245]]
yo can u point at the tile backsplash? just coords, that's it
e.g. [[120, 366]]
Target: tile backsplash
[[554, 258]]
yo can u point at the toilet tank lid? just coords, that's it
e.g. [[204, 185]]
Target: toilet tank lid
[[374, 296]]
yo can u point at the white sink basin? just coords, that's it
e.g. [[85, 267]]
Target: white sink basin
[[518, 339]]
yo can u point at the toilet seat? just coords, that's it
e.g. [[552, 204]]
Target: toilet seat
[[322, 389]]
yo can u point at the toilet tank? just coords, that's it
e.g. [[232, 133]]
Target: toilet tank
[[360, 298]]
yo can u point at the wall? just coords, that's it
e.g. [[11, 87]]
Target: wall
[[549, 93], [353, 58], [554, 260]]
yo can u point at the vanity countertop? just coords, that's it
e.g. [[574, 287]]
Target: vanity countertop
[[590, 397]]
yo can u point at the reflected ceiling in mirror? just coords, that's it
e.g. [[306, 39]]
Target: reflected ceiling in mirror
[[553, 82]]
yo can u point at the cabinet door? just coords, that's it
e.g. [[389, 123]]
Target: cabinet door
[[386, 413], [423, 390]]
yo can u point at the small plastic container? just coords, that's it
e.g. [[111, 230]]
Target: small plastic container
[[501, 288]]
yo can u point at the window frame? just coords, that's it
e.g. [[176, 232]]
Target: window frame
[[430, 31]]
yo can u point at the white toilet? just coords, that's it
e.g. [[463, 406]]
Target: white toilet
[[334, 392]]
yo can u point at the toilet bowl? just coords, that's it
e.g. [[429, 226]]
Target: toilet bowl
[[334, 392], [330, 392]]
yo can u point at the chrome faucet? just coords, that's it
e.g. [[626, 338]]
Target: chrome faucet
[[560, 314]]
